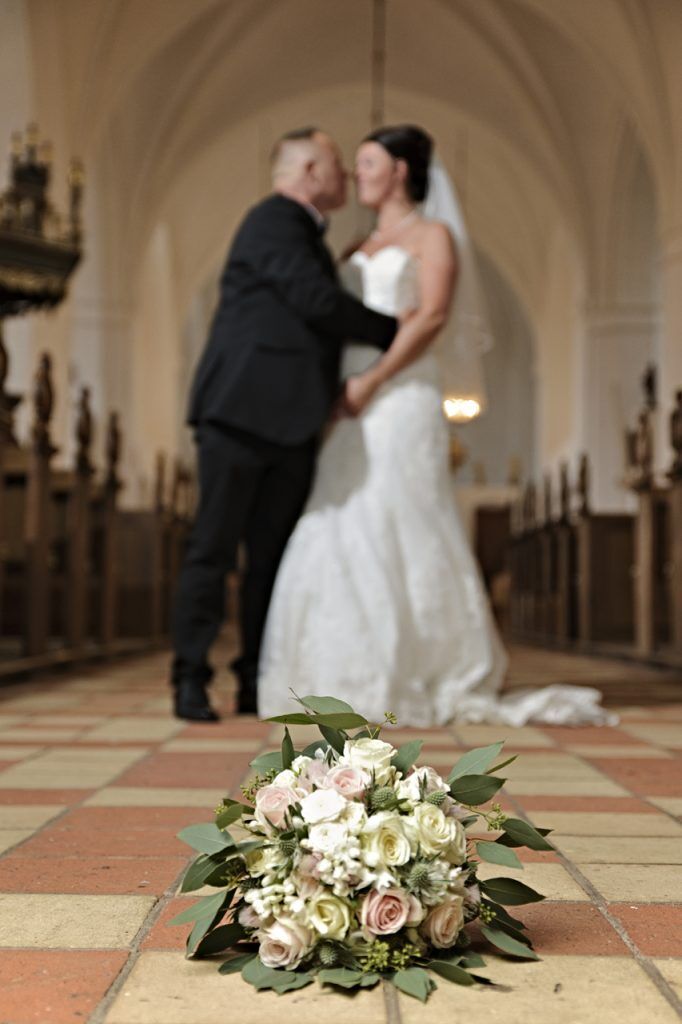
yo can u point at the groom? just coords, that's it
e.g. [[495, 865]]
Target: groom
[[262, 392]]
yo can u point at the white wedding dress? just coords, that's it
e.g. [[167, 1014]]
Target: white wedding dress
[[378, 600]]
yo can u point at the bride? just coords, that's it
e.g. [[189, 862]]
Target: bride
[[378, 599]]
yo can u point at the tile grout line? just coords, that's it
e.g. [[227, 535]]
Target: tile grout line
[[100, 1012], [601, 905]]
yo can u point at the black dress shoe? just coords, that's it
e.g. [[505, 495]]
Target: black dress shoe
[[191, 703], [247, 701]]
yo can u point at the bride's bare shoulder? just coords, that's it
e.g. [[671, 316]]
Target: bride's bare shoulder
[[436, 238]]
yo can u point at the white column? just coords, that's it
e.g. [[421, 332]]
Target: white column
[[670, 341]]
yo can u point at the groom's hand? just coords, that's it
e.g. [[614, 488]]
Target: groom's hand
[[358, 393]]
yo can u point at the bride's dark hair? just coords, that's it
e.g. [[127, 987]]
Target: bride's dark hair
[[413, 145]]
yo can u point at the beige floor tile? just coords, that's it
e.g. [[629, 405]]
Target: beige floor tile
[[599, 786], [245, 746], [9, 837], [665, 734], [7, 720], [19, 734], [439, 737], [71, 922], [671, 969], [440, 759], [143, 796], [593, 823], [635, 883], [18, 752], [552, 880], [63, 721], [41, 702], [671, 804], [620, 849], [164, 987], [70, 768], [482, 735], [560, 989], [127, 728], [545, 765], [615, 750], [31, 816]]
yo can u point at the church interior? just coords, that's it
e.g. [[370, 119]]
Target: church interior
[[136, 134]]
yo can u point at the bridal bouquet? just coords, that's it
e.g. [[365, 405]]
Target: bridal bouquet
[[353, 865]]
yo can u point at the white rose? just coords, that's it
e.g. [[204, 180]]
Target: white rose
[[327, 836], [370, 756], [384, 841], [263, 860], [284, 943], [299, 763], [329, 916], [354, 816], [425, 778], [435, 833], [322, 805]]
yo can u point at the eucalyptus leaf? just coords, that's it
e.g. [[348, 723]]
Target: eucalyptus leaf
[[262, 977], [333, 737], [299, 980], [220, 939], [507, 944], [501, 765], [451, 971], [496, 854], [208, 907], [326, 705], [405, 756], [503, 917], [524, 834], [206, 838], [475, 761], [236, 963], [475, 789], [344, 977], [509, 891], [271, 761], [199, 870], [414, 981], [309, 751], [293, 718], [288, 752], [472, 960], [227, 816]]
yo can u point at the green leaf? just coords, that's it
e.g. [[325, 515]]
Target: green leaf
[[405, 756], [199, 870], [502, 764], [270, 761], [243, 848], [475, 789], [208, 907], [293, 718], [309, 751], [475, 761], [451, 971], [472, 960], [236, 963], [262, 977], [299, 980], [326, 705], [523, 834], [206, 838], [496, 854], [220, 939], [336, 719], [344, 977], [228, 815], [333, 737], [509, 891], [507, 944], [471, 820], [414, 981], [288, 752], [504, 918]]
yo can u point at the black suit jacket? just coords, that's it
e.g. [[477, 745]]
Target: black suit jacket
[[271, 362]]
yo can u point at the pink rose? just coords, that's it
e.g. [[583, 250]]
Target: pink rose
[[385, 911], [272, 803], [248, 918], [284, 943], [314, 774], [415, 913], [350, 782], [443, 923]]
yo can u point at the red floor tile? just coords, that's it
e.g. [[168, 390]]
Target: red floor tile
[[56, 841], [163, 935], [656, 930], [237, 727], [44, 796], [648, 776], [214, 771], [55, 986], [169, 819], [89, 875]]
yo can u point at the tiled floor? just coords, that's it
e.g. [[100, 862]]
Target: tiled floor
[[96, 779]]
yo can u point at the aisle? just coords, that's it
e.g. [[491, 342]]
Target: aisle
[[96, 778]]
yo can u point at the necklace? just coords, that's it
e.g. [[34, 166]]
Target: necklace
[[395, 227]]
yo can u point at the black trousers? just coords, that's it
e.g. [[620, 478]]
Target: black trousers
[[251, 491]]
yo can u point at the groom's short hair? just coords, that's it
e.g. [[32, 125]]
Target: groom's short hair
[[283, 148]]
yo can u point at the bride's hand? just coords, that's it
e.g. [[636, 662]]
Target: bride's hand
[[358, 393]]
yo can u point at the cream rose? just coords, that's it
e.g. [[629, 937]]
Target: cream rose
[[371, 756], [350, 782], [329, 916], [284, 943], [322, 805], [428, 826], [444, 922], [384, 842], [385, 911], [272, 803], [263, 860]]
